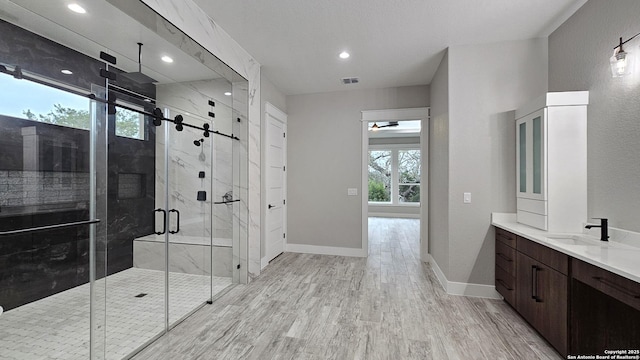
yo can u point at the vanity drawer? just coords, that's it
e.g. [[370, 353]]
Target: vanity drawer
[[506, 285], [616, 286], [554, 259], [506, 258], [506, 237]]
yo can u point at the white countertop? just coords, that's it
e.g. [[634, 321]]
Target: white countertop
[[619, 257]]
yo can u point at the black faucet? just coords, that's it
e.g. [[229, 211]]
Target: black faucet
[[604, 228]]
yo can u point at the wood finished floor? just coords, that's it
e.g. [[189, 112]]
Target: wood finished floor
[[388, 306]]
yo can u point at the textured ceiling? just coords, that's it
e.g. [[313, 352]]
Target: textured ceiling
[[392, 42]]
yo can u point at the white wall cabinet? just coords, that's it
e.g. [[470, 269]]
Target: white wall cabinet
[[551, 162]]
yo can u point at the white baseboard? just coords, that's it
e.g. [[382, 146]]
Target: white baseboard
[[394, 215], [463, 289], [325, 250], [263, 263]]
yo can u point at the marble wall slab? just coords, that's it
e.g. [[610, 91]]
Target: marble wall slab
[[214, 156], [183, 258], [193, 21]]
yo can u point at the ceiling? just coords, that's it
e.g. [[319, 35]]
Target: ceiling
[[392, 42], [405, 128], [105, 28]]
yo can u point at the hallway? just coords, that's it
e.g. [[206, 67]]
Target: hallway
[[389, 306]]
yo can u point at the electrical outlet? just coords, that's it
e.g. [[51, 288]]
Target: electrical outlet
[[352, 192]]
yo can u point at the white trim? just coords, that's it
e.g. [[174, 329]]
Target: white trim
[[364, 193], [437, 271], [463, 289], [394, 215], [473, 290], [275, 112], [263, 263], [400, 204], [422, 113], [326, 250], [380, 147], [395, 114]]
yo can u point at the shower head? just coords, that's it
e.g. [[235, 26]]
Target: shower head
[[198, 142], [138, 76]]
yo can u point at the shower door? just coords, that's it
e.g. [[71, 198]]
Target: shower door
[[52, 218], [187, 155]]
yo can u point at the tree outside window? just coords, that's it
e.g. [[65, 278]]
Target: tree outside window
[[409, 176], [380, 176], [394, 176]]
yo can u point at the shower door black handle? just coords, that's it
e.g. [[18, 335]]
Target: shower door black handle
[[270, 206], [164, 221], [177, 221]]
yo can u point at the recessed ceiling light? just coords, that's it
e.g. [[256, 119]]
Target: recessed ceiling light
[[227, 93], [167, 59], [344, 55], [66, 72], [76, 8]]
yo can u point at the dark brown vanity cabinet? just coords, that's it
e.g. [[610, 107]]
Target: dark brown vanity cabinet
[[534, 280], [542, 295], [605, 310], [506, 265]]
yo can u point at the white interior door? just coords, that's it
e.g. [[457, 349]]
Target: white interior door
[[275, 182]]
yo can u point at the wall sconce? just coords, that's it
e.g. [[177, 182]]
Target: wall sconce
[[621, 60]]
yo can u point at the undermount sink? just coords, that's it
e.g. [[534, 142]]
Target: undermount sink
[[573, 240]]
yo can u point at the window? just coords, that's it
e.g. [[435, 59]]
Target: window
[[25, 99], [129, 123], [380, 176], [409, 176], [394, 175]]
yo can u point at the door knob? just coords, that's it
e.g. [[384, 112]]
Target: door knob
[[271, 206]]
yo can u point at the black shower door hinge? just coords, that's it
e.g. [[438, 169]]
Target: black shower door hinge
[[108, 74], [284, 236]]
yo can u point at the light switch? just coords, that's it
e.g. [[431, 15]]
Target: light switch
[[467, 198], [352, 191]]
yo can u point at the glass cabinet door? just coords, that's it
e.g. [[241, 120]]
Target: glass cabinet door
[[522, 156], [530, 156]]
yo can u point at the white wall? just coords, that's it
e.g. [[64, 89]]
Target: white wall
[[268, 93], [579, 52], [486, 83], [324, 155], [193, 21]]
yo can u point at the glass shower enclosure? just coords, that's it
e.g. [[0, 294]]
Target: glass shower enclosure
[[123, 187]]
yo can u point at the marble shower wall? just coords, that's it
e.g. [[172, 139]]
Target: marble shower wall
[[187, 160], [193, 21]]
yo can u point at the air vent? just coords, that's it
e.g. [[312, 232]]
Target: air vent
[[351, 80]]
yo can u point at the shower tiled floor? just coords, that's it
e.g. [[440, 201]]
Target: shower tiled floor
[[57, 327]]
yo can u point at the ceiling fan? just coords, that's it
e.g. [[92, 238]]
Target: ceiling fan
[[376, 127]]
